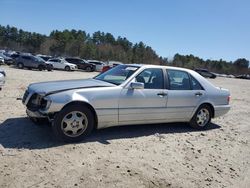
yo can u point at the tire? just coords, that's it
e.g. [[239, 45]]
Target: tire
[[20, 65], [40, 67], [88, 69], [73, 123], [49, 67], [67, 68], [202, 117]]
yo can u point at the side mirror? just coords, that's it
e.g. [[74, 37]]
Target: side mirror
[[136, 85]]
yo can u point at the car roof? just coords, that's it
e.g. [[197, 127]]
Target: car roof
[[73, 58], [159, 66]]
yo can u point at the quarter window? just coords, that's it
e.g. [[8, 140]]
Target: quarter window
[[152, 78], [195, 84], [178, 80], [54, 60]]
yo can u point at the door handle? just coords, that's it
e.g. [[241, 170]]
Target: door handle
[[162, 94], [198, 94]]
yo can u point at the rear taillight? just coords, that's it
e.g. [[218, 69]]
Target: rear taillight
[[228, 99]]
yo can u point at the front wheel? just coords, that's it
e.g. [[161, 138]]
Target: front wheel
[[49, 67], [73, 123], [202, 117], [67, 68], [40, 67]]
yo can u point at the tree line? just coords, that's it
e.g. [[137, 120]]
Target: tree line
[[78, 43], [105, 47], [239, 66]]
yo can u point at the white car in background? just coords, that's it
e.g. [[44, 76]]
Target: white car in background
[[99, 64], [2, 78], [60, 63]]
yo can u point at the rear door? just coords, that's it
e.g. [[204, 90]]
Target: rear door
[[146, 105], [184, 94], [27, 61]]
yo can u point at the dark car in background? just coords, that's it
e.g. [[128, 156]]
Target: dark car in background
[[32, 62], [81, 64], [14, 56], [205, 73], [243, 76]]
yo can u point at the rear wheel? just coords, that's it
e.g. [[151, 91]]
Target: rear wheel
[[88, 69], [202, 117], [20, 65], [73, 123]]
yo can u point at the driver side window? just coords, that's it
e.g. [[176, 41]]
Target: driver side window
[[152, 78]]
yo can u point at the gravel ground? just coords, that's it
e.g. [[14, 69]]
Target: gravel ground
[[129, 156]]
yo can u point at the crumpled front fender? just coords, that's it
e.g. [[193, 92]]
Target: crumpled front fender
[[59, 100]]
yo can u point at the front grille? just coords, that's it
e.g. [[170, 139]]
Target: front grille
[[26, 94]]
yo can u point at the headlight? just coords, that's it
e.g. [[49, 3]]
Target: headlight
[[45, 103]]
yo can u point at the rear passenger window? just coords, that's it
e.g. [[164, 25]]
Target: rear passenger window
[[55, 60], [178, 80], [27, 57]]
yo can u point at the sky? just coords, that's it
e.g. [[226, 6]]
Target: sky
[[210, 29]]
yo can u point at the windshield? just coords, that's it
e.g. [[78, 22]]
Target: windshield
[[3, 56], [39, 58], [118, 74]]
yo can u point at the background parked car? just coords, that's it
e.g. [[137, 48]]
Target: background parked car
[[14, 56], [243, 76], [205, 73], [32, 62], [61, 63], [98, 64], [7, 60], [1, 60], [2, 78], [81, 64], [111, 64]]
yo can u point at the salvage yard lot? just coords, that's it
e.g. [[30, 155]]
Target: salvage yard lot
[[129, 156]]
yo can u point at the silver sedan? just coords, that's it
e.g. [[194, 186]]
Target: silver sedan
[[125, 95]]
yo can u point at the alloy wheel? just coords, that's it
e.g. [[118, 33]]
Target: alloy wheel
[[74, 123], [202, 117]]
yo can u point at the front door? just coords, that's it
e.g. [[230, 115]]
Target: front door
[[146, 105]]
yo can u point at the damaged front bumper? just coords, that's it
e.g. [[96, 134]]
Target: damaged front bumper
[[35, 114]]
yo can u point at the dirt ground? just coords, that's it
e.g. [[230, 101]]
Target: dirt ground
[[129, 156]]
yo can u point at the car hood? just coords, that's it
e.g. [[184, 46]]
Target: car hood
[[47, 88]]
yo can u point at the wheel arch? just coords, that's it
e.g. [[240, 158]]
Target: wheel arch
[[89, 106], [210, 105]]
